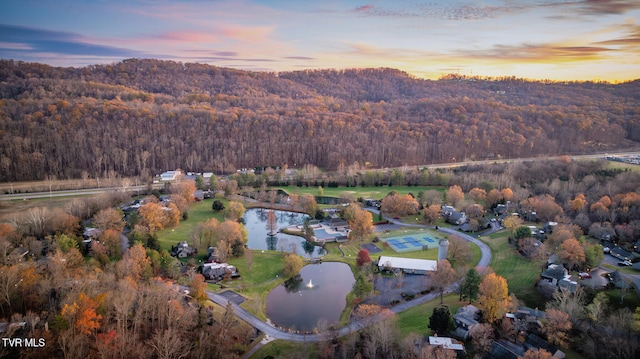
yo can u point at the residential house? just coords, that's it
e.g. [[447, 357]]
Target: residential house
[[535, 342], [549, 226], [183, 250], [446, 343], [500, 209], [529, 216], [620, 253], [554, 274], [557, 275], [465, 318], [91, 233], [218, 271], [503, 349], [370, 202], [456, 218], [447, 210]]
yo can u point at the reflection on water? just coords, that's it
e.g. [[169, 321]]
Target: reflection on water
[[272, 242], [259, 238], [318, 294]]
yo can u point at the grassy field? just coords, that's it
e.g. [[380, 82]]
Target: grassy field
[[621, 165], [255, 283], [283, 349], [416, 319], [520, 273], [198, 212], [364, 192]]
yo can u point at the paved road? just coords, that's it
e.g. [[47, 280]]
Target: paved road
[[277, 333], [80, 192], [635, 278], [70, 193], [485, 258]]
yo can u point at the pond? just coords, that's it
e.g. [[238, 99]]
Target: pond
[[256, 223], [317, 296]]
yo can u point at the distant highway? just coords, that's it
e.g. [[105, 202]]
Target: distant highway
[[519, 160], [93, 191], [70, 193]]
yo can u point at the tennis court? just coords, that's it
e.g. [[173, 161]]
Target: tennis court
[[411, 243]]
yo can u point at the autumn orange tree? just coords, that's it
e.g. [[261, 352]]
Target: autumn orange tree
[[493, 197], [557, 326], [578, 204], [361, 225], [198, 287], [572, 253], [432, 213], [478, 195], [402, 205], [494, 297], [537, 354], [455, 196], [135, 263], [185, 188], [109, 218], [82, 314], [152, 216]]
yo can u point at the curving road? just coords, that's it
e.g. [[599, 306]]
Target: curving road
[[276, 333]]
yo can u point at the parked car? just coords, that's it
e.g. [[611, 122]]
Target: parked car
[[625, 264], [584, 275]]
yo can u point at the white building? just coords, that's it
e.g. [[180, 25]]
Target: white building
[[408, 265], [170, 175]]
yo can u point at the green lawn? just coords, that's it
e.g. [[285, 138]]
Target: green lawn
[[622, 165], [416, 319], [285, 349], [364, 192], [520, 273], [255, 283], [198, 212]]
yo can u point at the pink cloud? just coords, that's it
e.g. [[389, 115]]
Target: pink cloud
[[190, 36], [364, 8], [246, 34]]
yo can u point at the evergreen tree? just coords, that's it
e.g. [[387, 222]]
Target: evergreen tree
[[440, 320], [470, 286], [217, 206]]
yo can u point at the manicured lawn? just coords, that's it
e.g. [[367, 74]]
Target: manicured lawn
[[255, 283], [520, 273], [198, 212], [416, 319]]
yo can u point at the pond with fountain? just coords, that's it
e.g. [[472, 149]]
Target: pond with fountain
[[315, 298]]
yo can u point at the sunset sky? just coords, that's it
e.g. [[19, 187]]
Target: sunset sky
[[537, 39]]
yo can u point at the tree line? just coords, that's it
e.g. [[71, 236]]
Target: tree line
[[142, 117]]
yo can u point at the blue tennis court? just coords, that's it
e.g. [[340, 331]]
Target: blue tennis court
[[410, 243]]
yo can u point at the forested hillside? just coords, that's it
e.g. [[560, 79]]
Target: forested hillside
[[141, 117]]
